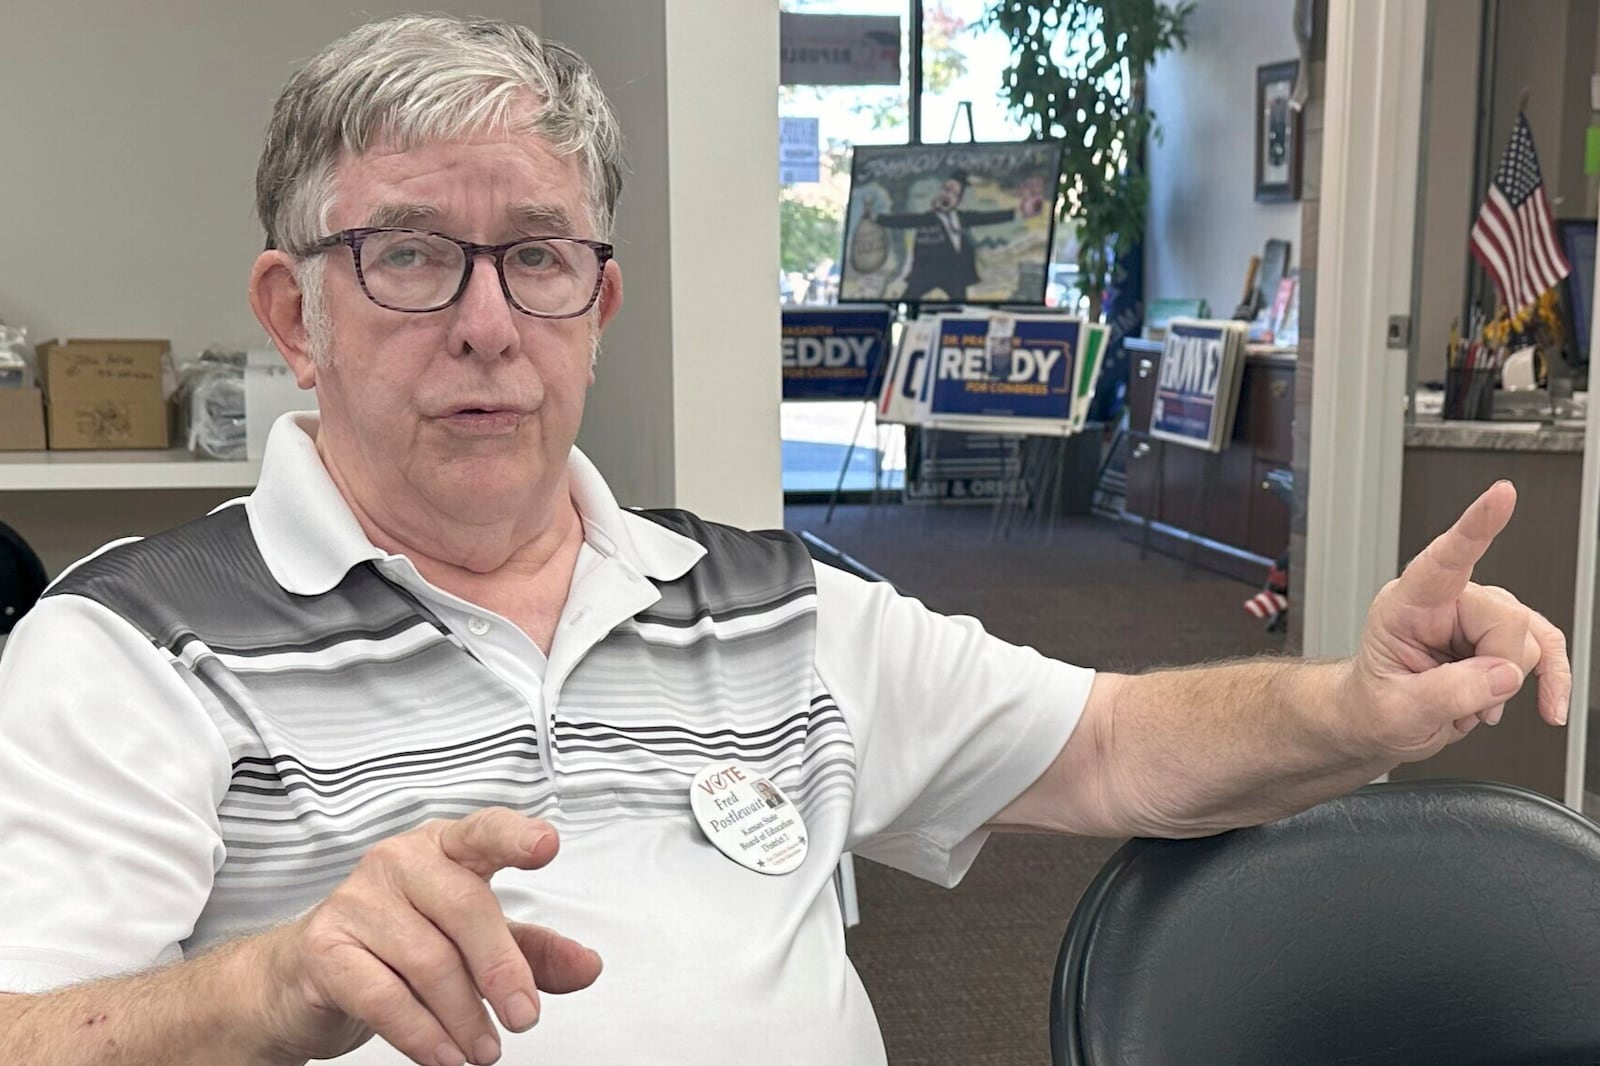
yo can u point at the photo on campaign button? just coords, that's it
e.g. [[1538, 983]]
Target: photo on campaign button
[[748, 818]]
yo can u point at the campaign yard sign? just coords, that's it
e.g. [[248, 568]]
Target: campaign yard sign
[[834, 353], [1197, 387], [1011, 373], [903, 397], [1091, 357]]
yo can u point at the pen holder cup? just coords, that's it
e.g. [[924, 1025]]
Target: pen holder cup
[[1469, 393]]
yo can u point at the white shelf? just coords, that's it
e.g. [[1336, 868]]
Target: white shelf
[[154, 469]]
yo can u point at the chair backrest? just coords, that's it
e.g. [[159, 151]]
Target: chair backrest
[[22, 578], [1430, 922]]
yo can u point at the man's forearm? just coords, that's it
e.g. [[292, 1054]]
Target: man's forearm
[[1184, 753], [196, 1013], [1203, 750]]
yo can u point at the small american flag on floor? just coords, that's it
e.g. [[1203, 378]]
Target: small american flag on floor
[[1514, 237], [1267, 603]]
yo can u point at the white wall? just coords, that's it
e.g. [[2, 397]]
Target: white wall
[[129, 134], [1204, 224], [128, 141], [685, 408], [1446, 207]]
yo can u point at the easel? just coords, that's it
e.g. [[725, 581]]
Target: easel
[[911, 310], [1005, 506], [868, 402], [1043, 502], [1042, 461]]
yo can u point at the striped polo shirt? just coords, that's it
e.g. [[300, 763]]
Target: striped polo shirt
[[201, 732]]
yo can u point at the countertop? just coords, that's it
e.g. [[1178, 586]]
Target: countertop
[[1496, 436]]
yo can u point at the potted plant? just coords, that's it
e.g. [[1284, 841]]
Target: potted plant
[[1078, 75]]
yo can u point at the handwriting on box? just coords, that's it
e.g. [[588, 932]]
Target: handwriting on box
[[108, 367]]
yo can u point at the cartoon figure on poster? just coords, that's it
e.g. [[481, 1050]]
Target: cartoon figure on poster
[[969, 223]]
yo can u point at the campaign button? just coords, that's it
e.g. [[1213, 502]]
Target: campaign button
[[748, 818]]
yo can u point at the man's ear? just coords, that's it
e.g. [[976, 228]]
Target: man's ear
[[275, 298], [610, 293]]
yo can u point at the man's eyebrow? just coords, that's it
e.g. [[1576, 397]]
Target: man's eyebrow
[[540, 219], [531, 218], [402, 216]]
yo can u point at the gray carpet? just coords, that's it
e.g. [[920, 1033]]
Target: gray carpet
[[963, 976]]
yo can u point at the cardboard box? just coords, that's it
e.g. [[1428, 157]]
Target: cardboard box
[[21, 420], [269, 391], [105, 393]]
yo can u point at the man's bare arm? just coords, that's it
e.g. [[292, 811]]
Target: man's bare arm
[[1191, 752], [410, 947], [196, 1013]]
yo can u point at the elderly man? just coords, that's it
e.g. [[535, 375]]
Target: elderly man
[[292, 777]]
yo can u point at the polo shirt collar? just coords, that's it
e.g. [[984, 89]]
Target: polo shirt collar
[[309, 537]]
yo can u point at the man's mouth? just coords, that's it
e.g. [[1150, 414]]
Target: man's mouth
[[483, 418], [481, 408]]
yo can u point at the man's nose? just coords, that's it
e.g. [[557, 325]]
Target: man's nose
[[485, 321]]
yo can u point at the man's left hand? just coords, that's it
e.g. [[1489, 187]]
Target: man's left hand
[[1441, 654]]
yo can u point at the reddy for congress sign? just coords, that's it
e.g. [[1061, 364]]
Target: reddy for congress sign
[[833, 353], [1005, 367]]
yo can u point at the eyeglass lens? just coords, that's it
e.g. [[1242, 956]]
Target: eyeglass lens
[[421, 272]]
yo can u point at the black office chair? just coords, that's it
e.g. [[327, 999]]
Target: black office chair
[[22, 578], [1429, 923]]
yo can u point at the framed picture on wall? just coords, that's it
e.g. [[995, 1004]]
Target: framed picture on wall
[[1277, 133]]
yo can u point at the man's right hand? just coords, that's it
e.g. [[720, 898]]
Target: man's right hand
[[413, 942]]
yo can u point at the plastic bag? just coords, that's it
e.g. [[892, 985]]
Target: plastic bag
[[211, 397], [16, 358]]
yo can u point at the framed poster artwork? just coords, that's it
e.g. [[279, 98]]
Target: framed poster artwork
[[1277, 133], [950, 223]]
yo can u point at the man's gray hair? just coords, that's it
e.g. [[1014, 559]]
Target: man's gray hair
[[414, 80], [417, 79]]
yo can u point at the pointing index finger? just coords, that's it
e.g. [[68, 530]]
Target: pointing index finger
[[1440, 574]]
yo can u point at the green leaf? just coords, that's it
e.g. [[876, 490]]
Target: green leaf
[[1077, 69]]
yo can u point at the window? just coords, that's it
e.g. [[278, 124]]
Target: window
[[963, 62], [818, 435]]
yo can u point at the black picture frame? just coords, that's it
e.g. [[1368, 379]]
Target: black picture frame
[[1000, 164], [1578, 236], [1278, 134]]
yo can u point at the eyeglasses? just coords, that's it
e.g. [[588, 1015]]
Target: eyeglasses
[[416, 270]]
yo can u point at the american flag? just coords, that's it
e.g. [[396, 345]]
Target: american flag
[[1514, 237]]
